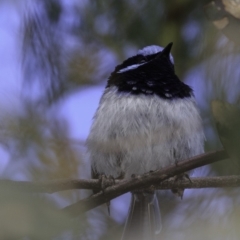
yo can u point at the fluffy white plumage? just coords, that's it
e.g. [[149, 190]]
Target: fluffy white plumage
[[135, 134]]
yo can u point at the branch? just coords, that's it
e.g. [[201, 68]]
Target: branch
[[53, 186], [198, 182], [144, 181], [70, 184], [93, 184], [122, 186]]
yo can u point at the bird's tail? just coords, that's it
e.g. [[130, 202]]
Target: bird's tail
[[144, 219]]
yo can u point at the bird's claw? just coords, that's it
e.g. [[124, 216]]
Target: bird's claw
[[179, 191], [106, 181]]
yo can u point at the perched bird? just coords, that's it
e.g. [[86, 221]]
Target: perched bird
[[147, 119]]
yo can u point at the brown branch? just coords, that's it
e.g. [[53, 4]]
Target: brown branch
[[70, 184], [122, 186], [53, 186], [204, 182], [144, 181]]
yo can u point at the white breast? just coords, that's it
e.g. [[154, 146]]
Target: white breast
[[135, 134]]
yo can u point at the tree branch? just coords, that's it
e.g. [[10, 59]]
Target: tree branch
[[143, 181], [70, 184], [53, 186], [93, 184], [204, 182], [140, 182]]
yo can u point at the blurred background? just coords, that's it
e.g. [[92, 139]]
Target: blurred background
[[56, 56]]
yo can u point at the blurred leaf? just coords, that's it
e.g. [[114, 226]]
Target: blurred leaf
[[232, 7], [227, 118], [44, 54], [225, 15], [26, 215]]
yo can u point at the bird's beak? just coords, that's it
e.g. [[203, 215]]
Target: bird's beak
[[166, 51]]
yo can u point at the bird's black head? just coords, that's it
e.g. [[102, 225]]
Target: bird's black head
[[149, 72]]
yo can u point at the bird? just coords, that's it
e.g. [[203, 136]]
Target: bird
[[147, 119]]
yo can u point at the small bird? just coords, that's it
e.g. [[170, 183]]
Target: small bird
[[147, 119]]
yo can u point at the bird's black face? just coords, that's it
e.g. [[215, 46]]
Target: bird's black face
[[150, 72]]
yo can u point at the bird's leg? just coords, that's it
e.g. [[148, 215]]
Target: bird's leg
[[108, 181], [104, 182], [179, 191], [121, 176], [186, 177]]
